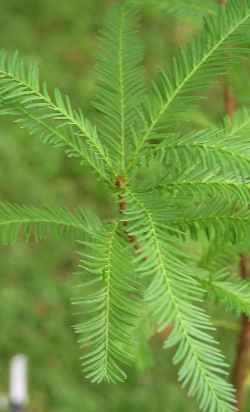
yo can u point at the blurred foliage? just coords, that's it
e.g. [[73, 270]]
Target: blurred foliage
[[36, 316]]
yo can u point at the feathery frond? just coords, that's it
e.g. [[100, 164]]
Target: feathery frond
[[110, 307], [221, 216], [224, 283], [199, 184], [55, 121], [193, 69], [233, 292], [40, 223], [120, 81], [219, 152], [173, 294]]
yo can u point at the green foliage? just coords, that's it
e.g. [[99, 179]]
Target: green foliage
[[121, 84], [171, 295], [40, 223], [111, 303], [193, 69], [205, 192], [23, 97], [234, 294]]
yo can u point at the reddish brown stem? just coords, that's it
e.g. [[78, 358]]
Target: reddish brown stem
[[229, 101], [120, 183], [163, 335], [242, 361]]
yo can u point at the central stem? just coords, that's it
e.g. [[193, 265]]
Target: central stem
[[242, 361]]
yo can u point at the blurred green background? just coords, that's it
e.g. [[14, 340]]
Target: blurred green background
[[36, 315]]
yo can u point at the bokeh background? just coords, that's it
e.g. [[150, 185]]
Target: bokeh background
[[36, 315]]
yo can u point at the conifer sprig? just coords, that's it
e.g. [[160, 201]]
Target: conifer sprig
[[111, 305], [40, 223], [57, 123], [120, 84], [193, 69], [196, 186], [173, 295]]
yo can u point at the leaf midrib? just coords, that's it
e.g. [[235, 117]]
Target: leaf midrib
[[108, 275], [122, 89]]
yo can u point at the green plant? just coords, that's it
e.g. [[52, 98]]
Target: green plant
[[170, 185]]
